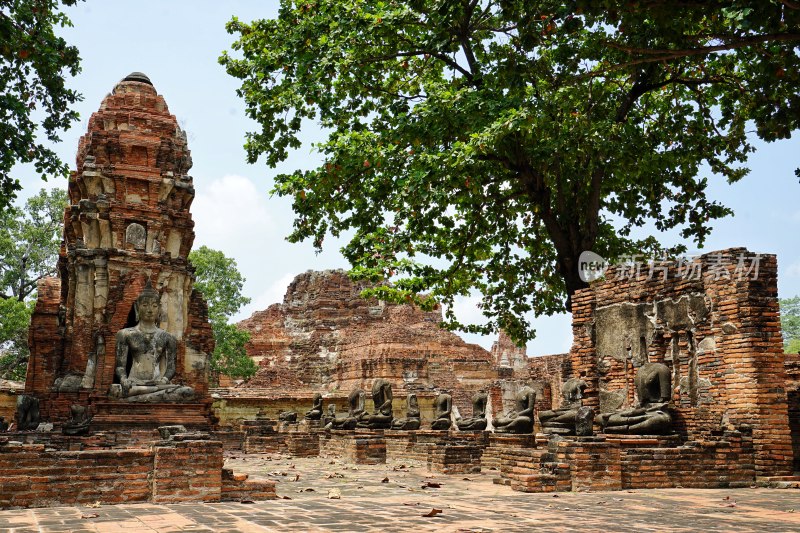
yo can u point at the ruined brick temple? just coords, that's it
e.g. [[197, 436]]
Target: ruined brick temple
[[676, 376], [120, 340], [706, 332], [324, 337], [128, 223]]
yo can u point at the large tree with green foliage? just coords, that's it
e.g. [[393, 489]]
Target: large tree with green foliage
[[220, 283], [790, 324], [34, 98], [483, 145], [30, 238]]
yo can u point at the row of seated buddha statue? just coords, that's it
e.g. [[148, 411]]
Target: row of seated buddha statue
[[650, 417], [653, 383], [518, 420]]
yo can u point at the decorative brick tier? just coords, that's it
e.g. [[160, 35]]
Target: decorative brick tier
[[359, 447], [168, 472], [115, 415]]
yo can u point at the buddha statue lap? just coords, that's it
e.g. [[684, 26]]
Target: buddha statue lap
[[287, 416], [78, 423]]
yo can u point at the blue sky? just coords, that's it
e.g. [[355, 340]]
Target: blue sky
[[177, 43]]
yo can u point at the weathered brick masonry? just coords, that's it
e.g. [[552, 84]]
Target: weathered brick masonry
[[36, 475], [719, 333], [128, 222]]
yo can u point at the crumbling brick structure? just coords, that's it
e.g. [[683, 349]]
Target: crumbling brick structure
[[325, 337], [128, 222], [37, 475], [714, 321]]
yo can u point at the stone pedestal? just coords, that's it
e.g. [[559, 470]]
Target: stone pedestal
[[358, 447], [454, 458], [498, 442], [119, 416]]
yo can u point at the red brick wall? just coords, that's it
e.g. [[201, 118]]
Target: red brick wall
[[182, 471], [187, 471], [33, 477], [727, 360]]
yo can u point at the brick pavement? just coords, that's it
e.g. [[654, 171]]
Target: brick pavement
[[468, 502]]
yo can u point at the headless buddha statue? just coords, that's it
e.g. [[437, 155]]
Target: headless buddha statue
[[381, 418], [520, 419], [562, 420], [653, 384], [412, 420], [356, 401], [478, 420], [443, 408], [315, 413]]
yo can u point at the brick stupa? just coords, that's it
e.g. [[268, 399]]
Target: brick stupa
[[128, 223]]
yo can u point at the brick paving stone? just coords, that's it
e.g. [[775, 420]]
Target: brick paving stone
[[469, 503]]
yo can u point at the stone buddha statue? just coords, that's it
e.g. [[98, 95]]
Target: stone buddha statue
[[78, 423], [412, 420], [145, 357], [653, 384], [562, 420], [381, 418], [520, 419], [315, 413], [443, 408], [356, 413], [478, 420]]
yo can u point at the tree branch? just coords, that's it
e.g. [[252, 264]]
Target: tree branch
[[666, 55]]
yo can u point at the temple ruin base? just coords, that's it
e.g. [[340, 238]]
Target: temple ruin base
[[38, 475]]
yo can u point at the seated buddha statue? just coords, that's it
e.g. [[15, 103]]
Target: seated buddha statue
[[651, 416], [520, 419], [356, 413], [562, 420], [315, 413], [477, 422], [443, 409], [145, 357], [412, 420], [381, 418]]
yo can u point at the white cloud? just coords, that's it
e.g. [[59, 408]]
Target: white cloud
[[228, 213], [467, 310], [274, 293], [271, 295]]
